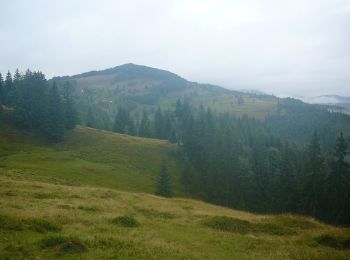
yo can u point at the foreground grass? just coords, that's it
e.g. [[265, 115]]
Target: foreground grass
[[87, 198], [46, 220], [89, 157]]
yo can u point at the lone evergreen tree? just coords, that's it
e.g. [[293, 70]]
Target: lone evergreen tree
[[163, 183]]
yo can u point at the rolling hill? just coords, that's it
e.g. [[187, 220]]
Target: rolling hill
[[89, 157], [140, 87], [91, 197]]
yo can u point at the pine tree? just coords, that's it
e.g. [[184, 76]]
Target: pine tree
[[16, 77], [163, 185], [2, 90], [70, 111], [339, 184], [313, 183], [158, 124], [55, 122], [145, 130], [90, 118], [8, 88], [8, 80], [121, 121], [131, 127]]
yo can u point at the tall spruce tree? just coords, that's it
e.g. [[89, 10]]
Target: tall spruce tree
[[158, 124], [55, 122], [314, 179], [90, 118], [70, 111], [163, 185], [122, 120], [339, 184], [2, 93], [2, 90], [131, 127], [145, 130], [8, 88]]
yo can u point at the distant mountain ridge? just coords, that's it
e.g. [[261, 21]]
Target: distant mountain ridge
[[141, 89], [330, 100], [133, 71], [326, 99]]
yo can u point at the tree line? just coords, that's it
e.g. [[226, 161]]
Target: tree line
[[242, 163], [38, 105], [233, 161]]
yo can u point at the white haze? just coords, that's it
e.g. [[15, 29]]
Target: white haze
[[298, 47]]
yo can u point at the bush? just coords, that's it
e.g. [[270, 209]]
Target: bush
[[11, 224], [89, 209], [240, 226], [53, 241], [340, 243], [65, 245], [228, 224], [72, 247], [42, 226], [155, 213], [126, 221], [295, 222], [44, 196]]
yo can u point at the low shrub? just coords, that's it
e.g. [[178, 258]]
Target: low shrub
[[240, 226], [89, 209], [44, 196], [42, 226], [155, 213], [72, 247], [11, 224], [126, 221], [53, 241], [337, 242], [65, 245], [37, 225], [295, 222]]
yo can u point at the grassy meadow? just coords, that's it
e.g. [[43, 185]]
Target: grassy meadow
[[91, 198], [40, 220], [89, 157]]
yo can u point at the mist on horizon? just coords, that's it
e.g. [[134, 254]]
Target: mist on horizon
[[286, 48]]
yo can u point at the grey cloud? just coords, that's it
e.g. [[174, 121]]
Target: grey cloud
[[283, 47]]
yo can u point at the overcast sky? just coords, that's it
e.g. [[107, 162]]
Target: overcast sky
[[296, 47]]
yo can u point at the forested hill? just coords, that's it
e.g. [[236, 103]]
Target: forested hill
[[293, 159], [141, 89]]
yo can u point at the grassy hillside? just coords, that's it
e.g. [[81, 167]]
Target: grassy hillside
[[45, 220], [140, 87], [91, 197], [89, 157]]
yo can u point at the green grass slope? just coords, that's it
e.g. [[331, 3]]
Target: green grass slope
[[91, 198], [89, 157], [142, 87], [40, 220]]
